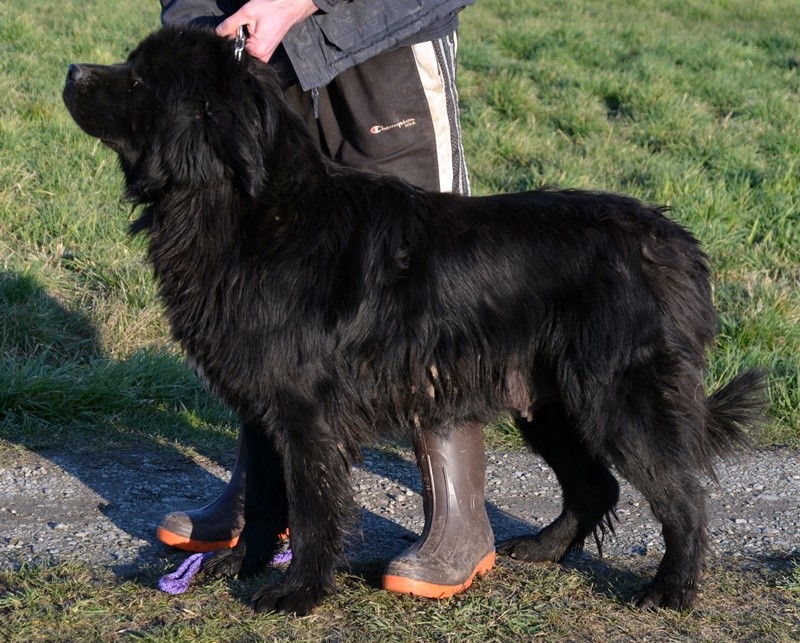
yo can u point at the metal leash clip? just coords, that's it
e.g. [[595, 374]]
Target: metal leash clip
[[240, 42]]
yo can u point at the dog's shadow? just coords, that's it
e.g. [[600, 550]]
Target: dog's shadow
[[83, 420]]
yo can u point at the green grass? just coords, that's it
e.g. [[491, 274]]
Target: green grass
[[516, 602], [690, 103]]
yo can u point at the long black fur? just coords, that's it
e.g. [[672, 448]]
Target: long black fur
[[326, 305]]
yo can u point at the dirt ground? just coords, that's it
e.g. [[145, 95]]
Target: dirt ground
[[103, 509]]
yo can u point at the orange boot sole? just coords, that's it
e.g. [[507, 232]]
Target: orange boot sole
[[199, 546], [402, 585]]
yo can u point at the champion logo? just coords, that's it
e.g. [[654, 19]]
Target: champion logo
[[408, 122]]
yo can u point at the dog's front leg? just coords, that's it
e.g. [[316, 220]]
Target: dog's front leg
[[265, 511], [317, 478]]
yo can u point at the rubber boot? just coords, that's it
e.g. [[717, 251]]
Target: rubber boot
[[215, 526], [457, 541]]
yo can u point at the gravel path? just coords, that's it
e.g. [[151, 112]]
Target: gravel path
[[103, 510]]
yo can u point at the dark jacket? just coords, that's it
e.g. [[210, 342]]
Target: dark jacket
[[342, 33]]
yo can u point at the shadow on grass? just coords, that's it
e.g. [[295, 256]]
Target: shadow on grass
[[114, 425], [58, 389], [616, 581], [620, 580]]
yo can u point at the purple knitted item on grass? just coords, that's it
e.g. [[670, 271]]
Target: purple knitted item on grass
[[178, 581]]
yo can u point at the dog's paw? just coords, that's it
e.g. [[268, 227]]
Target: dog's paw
[[225, 563], [287, 600], [659, 594], [531, 549]]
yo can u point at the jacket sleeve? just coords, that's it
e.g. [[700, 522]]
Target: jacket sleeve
[[341, 34], [197, 12], [212, 12], [347, 32]]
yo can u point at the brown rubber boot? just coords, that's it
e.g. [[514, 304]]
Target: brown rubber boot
[[457, 542], [215, 526]]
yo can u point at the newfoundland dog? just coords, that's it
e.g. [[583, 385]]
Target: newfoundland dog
[[326, 305]]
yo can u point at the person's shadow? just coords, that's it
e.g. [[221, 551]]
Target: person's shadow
[[66, 393]]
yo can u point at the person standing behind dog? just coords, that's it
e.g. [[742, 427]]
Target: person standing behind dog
[[374, 81]]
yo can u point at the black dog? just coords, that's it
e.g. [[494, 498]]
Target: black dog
[[324, 304]]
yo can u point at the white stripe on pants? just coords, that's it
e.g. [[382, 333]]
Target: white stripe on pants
[[436, 65]]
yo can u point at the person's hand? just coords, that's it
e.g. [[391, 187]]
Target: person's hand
[[267, 22]]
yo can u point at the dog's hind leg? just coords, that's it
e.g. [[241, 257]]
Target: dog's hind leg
[[657, 449], [589, 489], [677, 500]]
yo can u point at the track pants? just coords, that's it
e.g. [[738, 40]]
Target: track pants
[[396, 113]]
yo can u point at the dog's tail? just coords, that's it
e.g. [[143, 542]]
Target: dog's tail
[[736, 410]]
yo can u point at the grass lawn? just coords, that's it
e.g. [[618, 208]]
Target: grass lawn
[[690, 103]]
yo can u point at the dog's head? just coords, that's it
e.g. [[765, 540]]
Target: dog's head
[[181, 111]]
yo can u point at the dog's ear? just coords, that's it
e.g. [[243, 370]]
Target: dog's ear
[[221, 129], [216, 140], [244, 128], [187, 147], [242, 144]]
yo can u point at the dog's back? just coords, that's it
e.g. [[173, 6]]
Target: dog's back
[[590, 282]]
